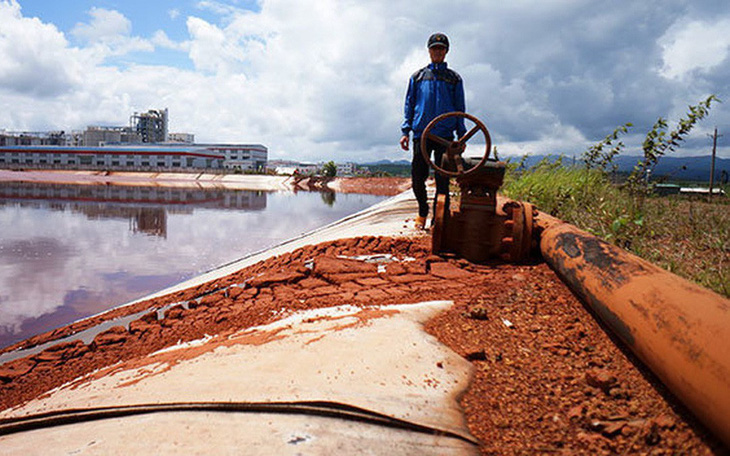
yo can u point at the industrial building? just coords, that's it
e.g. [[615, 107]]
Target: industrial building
[[146, 128], [150, 126], [98, 136], [144, 145], [148, 157], [31, 138]]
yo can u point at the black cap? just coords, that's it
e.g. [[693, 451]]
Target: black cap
[[438, 39]]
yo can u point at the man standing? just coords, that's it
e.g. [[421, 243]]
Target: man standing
[[432, 91]]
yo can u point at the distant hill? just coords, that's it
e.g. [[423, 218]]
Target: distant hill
[[388, 162], [668, 168], [393, 168], [682, 168], [671, 168]]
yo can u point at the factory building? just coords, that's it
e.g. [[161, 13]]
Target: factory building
[[151, 157], [95, 135], [244, 157], [186, 138], [150, 126], [27, 138], [144, 145]]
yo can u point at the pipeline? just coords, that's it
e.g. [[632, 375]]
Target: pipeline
[[680, 330]]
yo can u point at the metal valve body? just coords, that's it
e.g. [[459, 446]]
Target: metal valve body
[[485, 226]]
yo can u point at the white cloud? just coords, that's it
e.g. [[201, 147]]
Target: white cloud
[[212, 49], [160, 39], [106, 26], [174, 13], [220, 8], [108, 34], [564, 140], [694, 45], [326, 80], [32, 56]]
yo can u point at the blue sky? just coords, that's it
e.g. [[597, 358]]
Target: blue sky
[[145, 17], [325, 79]]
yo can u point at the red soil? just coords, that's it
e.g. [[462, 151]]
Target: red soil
[[384, 186], [548, 378]]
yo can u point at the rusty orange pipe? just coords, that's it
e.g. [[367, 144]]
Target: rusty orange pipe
[[680, 330]]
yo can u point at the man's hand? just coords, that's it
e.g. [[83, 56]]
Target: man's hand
[[404, 142]]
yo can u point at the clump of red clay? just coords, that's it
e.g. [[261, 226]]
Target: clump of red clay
[[548, 378]]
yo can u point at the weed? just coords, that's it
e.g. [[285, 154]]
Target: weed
[[686, 236]]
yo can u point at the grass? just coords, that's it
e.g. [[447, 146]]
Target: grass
[[687, 236]]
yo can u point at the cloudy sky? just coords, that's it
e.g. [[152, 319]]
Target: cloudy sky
[[325, 79]]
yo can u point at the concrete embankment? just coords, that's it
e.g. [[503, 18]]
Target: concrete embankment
[[202, 180]]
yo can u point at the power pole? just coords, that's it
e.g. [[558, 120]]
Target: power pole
[[712, 165]]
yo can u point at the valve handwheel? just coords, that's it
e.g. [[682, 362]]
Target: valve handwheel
[[454, 149]]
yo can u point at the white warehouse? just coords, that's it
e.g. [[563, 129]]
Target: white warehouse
[[244, 157]]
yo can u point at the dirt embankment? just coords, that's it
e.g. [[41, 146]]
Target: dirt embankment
[[382, 186], [548, 378]]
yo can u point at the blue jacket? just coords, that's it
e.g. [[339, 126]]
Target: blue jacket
[[432, 91]]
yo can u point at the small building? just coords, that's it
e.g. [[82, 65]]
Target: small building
[[244, 157], [700, 191], [307, 168], [666, 189], [26, 138], [346, 169], [97, 135], [184, 138]]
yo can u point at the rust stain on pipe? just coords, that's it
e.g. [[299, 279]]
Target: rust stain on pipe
[[680, 330]]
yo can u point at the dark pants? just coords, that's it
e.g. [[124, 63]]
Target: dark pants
[[419, 174]]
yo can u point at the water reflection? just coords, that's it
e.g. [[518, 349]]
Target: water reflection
[[328, 198], [70, 251], [145, 207]]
